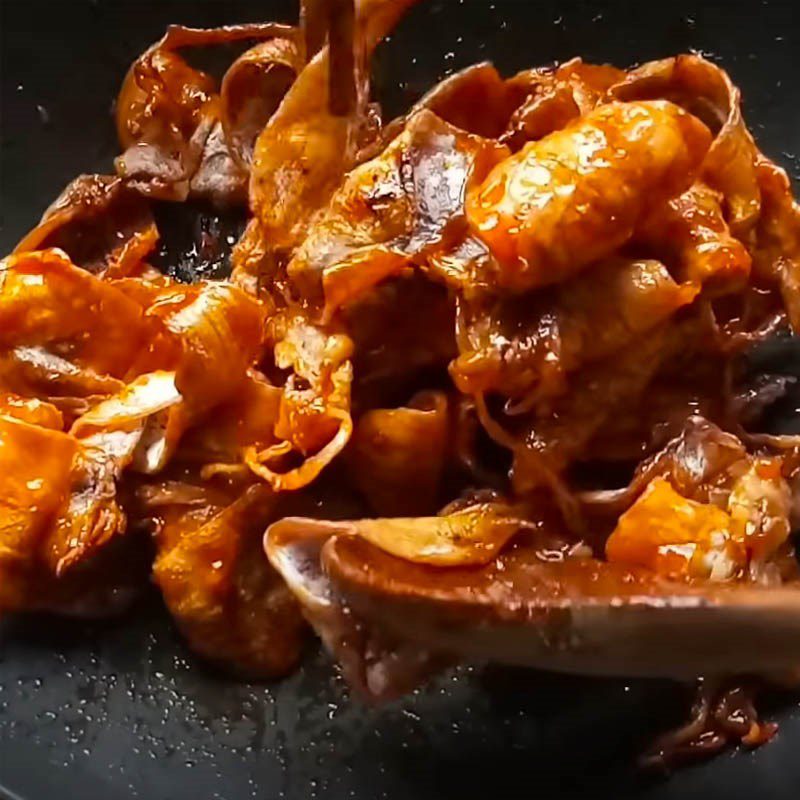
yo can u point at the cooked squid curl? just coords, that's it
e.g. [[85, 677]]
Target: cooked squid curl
[[304, 151], [178, 133], [314, 417], [252, 90], [555, 97], [102, 226], [577, 195], [46, 302], [228, 602], [398, 455], [707, 91]]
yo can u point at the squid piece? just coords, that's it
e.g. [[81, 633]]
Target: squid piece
[[169, 117], [251, 92], [69, 335], [228, 602], [692, 231], [208, 334], [707, 91], [392, 211], [46, 302], [604, 390], [555, 97], [212, 334], [304, 151], [524, 347], [674, 536], [314, 416], [590, 83], [102, 226], [129, 429], [35, 372], [398, 455], [776, 255], [36, 469], [455, 99], [578, 194], [60, 512]]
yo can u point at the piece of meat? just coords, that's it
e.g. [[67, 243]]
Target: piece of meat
[[100, 224], [525, 346], [575, 196], [176, 132], [692, 233], [231, 606], [47, 302], [314, 417], [398, 455], [392, 211], [708, 92]]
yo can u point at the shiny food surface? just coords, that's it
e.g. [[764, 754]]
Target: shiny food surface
[[257, 385]]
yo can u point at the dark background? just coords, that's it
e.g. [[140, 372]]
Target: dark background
[[120, 710]]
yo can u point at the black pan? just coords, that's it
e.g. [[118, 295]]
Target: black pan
[[120, 710]]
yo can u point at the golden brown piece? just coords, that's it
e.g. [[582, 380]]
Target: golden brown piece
[[692, 231], [102, 226], [314, 414], [228, 602], [674, 536], [398, 455], [46, 302], [303, 152], [706, 90], [776, 257], [36, 469], [169, 118], [577, 195], [393, 211], [59, 516], [557, 96], [524, 347], [252, 90]]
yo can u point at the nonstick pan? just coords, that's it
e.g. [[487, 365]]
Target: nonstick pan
[[120, 710]]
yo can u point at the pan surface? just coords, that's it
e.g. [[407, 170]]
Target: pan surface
[[120, 710]]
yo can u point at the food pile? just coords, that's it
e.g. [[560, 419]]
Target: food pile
[[472, 367]]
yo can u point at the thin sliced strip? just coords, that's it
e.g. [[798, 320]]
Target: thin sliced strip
[[311, 467]]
